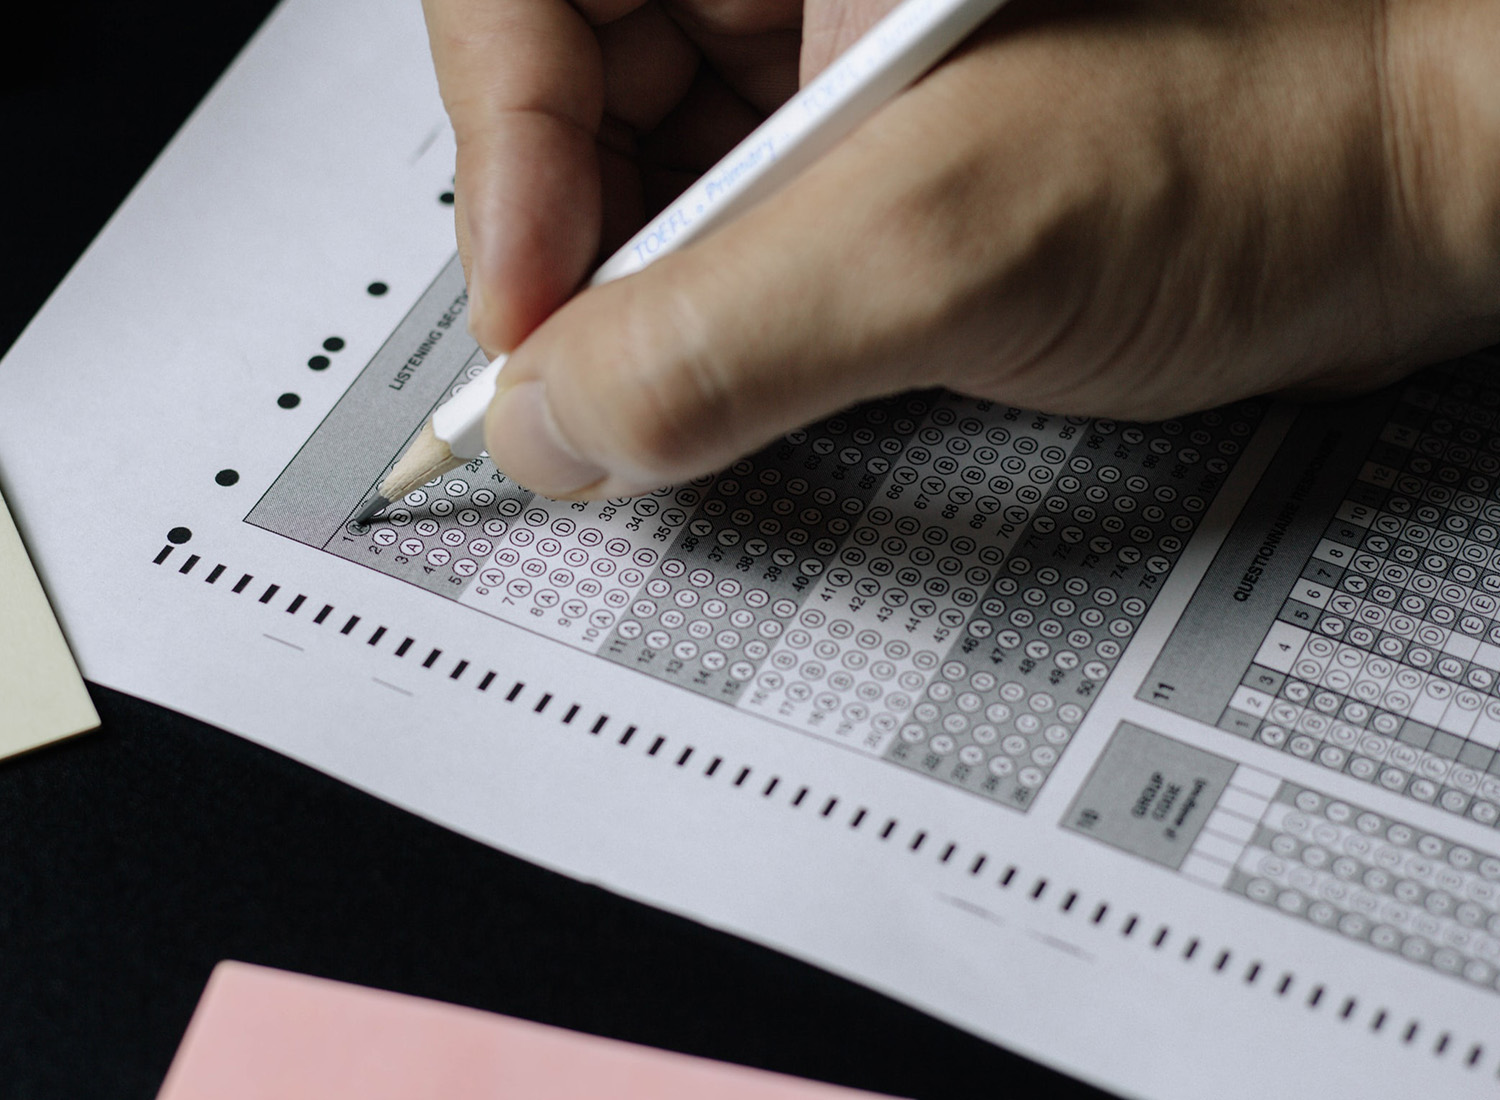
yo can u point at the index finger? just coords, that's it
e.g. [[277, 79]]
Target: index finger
[[523, 84]]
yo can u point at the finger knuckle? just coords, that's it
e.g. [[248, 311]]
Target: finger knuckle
[[733, 16]]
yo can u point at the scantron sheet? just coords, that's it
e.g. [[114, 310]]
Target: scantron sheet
[[1163, 753]]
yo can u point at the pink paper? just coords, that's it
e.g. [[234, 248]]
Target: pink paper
[[262, 1034]]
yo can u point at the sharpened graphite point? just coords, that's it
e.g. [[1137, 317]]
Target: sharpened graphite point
[[377, 504]]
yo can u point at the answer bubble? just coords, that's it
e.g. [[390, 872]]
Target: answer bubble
[[227, 477], [179, 535], [377, 289], [318, 362], [289, 401], [446, 198], [333, 343]]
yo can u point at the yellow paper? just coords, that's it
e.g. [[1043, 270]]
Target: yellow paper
[[42, 697]]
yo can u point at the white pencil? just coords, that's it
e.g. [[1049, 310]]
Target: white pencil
[[915, 36]]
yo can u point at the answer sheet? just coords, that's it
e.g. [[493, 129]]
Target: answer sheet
[[1162, 753]]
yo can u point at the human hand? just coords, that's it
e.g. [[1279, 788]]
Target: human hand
[[1123, 208]]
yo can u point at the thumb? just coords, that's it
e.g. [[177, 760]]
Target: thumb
[[785, 315]]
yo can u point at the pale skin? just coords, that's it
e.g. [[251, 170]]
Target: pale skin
[[1128, 209]]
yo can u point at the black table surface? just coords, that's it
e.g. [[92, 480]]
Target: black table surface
[[135, 858]]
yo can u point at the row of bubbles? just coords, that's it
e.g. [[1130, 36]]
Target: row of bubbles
[[932, 579]]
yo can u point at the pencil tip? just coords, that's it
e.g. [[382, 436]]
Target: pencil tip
[[377, 504]]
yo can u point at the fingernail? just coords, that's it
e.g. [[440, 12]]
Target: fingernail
[[521, 427], [478, 321], [476, 310]]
